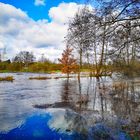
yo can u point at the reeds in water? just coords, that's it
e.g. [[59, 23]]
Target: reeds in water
[[7, 78]]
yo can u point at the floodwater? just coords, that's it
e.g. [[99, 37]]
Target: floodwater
[[54, 109]]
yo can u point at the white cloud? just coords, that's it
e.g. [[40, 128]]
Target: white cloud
[[18, 32], [39, 2], [63, 12]]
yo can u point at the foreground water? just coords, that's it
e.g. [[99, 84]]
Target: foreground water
[[55, 109]]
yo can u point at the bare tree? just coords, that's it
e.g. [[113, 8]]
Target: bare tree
[[24, 57], [78, 35], [111, 31]]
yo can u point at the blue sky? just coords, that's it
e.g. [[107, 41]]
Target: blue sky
[[36, 12]]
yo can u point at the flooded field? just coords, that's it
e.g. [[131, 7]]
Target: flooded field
[[88, 109]]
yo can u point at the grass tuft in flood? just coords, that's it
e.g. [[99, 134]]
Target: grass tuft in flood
[[39, 78], [7, 78]]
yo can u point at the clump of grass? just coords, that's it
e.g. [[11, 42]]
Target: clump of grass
[[56, 77], [7, 78], [39, 78]]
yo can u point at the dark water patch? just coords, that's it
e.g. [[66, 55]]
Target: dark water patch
[[55, 105]]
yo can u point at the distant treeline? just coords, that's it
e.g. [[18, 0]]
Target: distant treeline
[[31, 67], [26, 61]]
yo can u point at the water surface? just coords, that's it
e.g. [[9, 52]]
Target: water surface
[[87, 109]]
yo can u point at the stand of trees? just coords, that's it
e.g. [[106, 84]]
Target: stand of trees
[[25, 61], [108, 34]]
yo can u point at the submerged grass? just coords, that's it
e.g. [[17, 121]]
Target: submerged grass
[[39, 78], [59, 77], [7, 78]]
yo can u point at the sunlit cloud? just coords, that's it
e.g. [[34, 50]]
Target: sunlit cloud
[[39, 2]]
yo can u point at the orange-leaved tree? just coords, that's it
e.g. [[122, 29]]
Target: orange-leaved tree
[[68, 61]]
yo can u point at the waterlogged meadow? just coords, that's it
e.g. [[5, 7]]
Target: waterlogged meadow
[[57, 108]]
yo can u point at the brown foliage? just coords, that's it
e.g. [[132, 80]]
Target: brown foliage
[[68, 61]]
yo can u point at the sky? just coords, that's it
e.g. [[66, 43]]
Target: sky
[[38, 26]]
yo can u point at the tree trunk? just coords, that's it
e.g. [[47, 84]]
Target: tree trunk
[[99, 72], [81, 55]]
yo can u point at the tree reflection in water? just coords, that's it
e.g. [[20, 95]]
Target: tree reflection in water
[[114, 104], [99, 100], [125, 100]]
